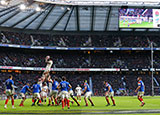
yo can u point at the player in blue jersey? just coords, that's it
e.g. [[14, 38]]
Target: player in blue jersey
[[36, 94], [87, 94], [109, 93], [9, 84], [65, 87], [54, 92], [140, 89], [23, 92]]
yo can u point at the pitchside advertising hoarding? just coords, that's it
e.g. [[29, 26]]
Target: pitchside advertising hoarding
[[139, 18]]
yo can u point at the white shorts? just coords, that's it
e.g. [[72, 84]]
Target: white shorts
[[88, 94], [71, 93], [63, 94], [78, 93], [43, 94], [140, 93], [47, 69], [36, 95], [22, 95], [53, 93], [110, 94], [9, 92]]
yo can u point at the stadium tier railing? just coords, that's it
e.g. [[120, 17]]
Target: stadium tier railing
[[74, 48], [72, 69]]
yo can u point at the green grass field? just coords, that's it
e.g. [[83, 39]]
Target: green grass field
[[123, 104], [142, 25]]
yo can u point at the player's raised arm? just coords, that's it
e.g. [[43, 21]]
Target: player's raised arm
[[39, 88], [46, 59]]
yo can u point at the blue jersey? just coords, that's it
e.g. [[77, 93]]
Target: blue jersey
[[55, 85], [107, 87], [36, 88], [87, 86], [141, 84], [9, 84], [24, 89], [64, 86]]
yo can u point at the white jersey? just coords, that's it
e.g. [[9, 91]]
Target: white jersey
[[78, 90], [49, 65], [40, 83], [50, 86], [44, 89]]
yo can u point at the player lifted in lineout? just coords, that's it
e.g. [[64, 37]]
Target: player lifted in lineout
[[140, 89], [109, 93], [46, 76]]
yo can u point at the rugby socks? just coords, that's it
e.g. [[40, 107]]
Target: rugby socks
[[63, 104], [6, 102], [113, 101], [39, 101], [140, 99], [55, 100], [49, 101], [75, 100], [107, 100], [32, 100], [86, 102], [12, 102], [52, 103], [91, 102], [68, 103], [21, 103]]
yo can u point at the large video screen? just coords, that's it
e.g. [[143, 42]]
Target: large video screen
[[139, 18]]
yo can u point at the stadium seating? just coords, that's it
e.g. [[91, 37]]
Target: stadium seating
[[79, 40]]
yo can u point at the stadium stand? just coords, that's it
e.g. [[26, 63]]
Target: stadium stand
[[79, 59], [79, 40]]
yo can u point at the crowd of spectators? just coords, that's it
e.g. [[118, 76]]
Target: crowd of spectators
[[77, 78], [79, 40], [77, 59], [81, 59]]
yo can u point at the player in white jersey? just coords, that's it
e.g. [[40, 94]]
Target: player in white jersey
[[49, 62], [44, 92], [78, 91], [40, 82]]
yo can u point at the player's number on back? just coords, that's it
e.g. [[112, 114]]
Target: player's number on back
[[63, 85], [8, 83]]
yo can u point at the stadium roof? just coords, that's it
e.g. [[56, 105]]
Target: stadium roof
[[62, 18], [104, 2]]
